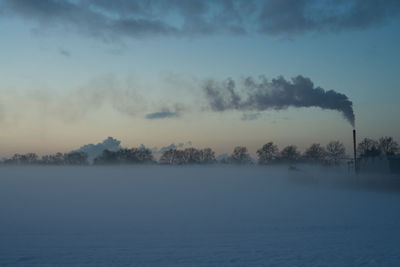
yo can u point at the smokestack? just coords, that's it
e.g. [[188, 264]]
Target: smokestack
[[355, 151]]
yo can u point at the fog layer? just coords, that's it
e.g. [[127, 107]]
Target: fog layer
[[215, 215]]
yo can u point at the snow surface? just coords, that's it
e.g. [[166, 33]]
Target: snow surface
[[196, 216]]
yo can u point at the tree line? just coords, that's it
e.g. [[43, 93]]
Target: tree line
[[332, 154]]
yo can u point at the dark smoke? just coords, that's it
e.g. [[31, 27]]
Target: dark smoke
[[276, 94], [166, 113], [163, 114]]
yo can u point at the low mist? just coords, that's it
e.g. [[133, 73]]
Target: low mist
[[217, 214]]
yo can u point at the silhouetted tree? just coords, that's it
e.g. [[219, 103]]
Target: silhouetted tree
[[23, 159], [188, 156], [144, 155], [335, 151], [56, 159], [76, 158], [315, 153], [134, 156], [289, 154], [191, 156], [168, 156], [207, 156], [268, 153], [173, 157], [125, 156], [240, 156], [388, 146], [368, 148]]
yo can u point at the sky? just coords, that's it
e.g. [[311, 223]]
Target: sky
[[210, 73]]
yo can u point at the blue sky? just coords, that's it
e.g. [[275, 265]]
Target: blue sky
[[75, 72]]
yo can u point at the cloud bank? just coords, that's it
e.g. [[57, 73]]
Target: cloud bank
[[112, 20], [276, 94]]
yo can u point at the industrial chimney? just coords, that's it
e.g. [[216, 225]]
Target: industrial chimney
[[355, 151]]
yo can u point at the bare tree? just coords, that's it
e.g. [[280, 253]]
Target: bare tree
[[144, 155], [56, 159], [191, 156], [172, 156], [315, 153], [368, 148], [240, 156], [23, 159], [188, 156], [134, 156], [125, 156], [335, 151], [290, 154], [207, 156], [388, 146], [167, 156], [268, 153]]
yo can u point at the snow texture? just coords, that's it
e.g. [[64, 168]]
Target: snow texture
[[197, 216]]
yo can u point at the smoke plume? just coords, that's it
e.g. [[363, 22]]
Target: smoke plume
[[276, 94]]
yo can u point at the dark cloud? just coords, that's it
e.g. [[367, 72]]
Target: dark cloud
[[165, 113], [276, 94], [300, 16], [141, 27], [112, 20]]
